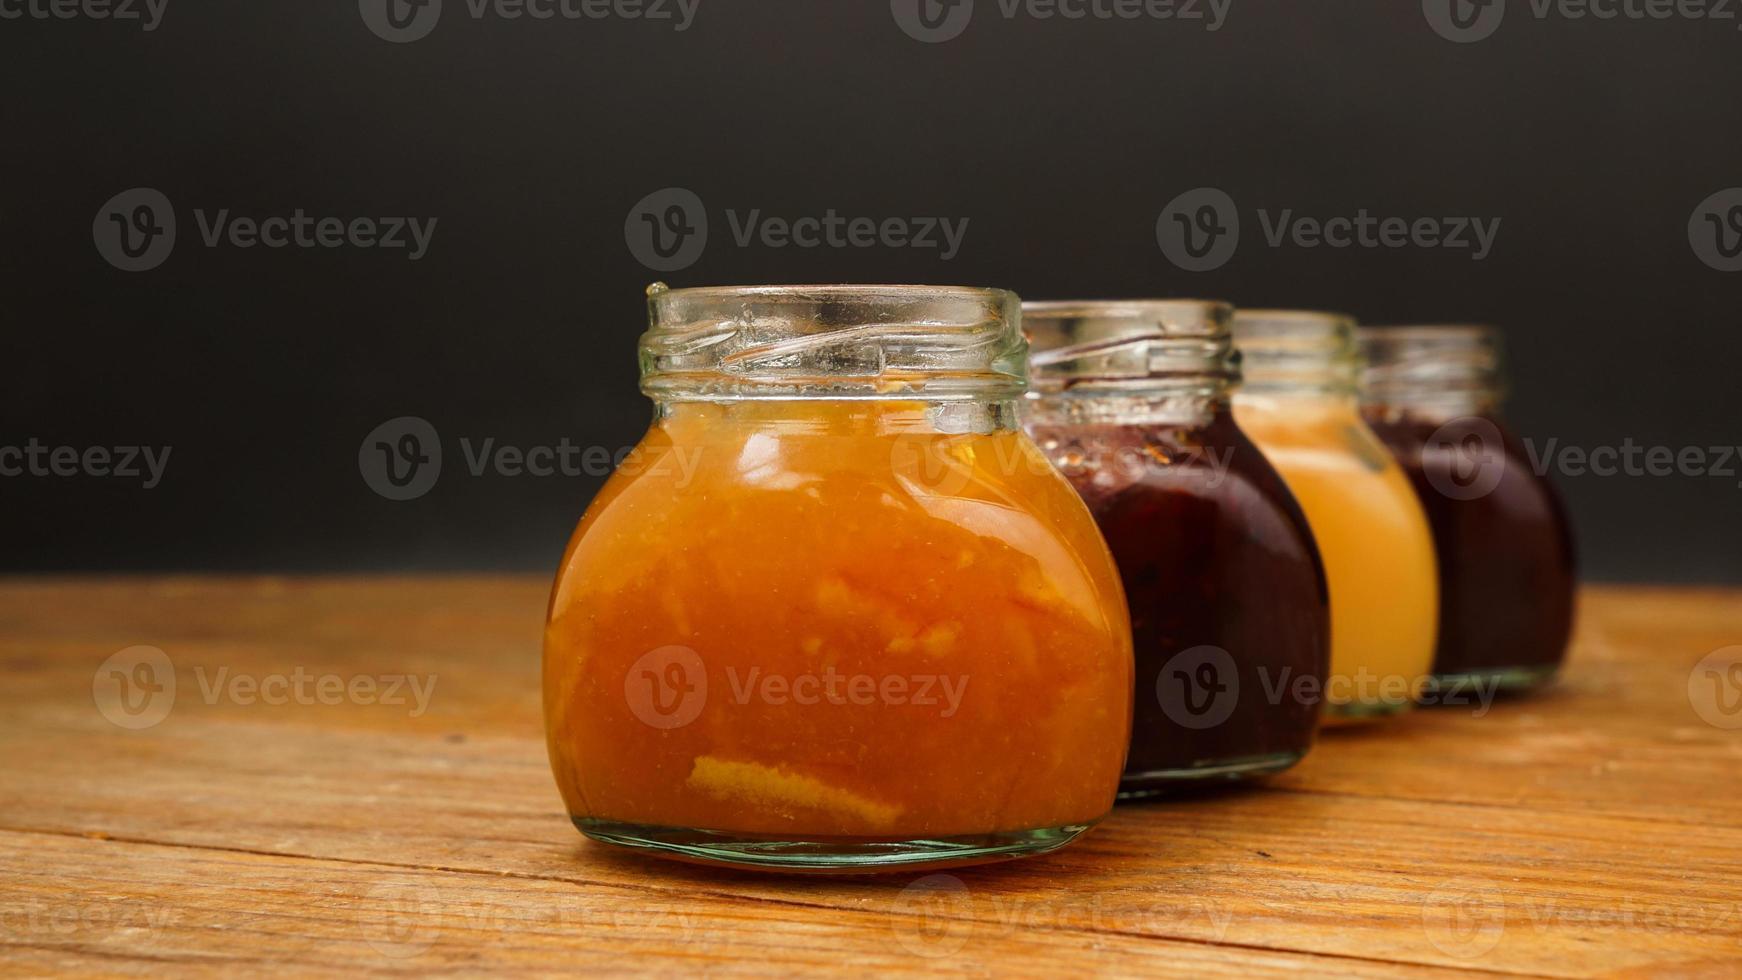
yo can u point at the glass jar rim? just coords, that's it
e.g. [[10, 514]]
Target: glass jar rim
[[1427, 361], [1129, 346], [1306, 349], [1117, 309], [833, 341], [838, 292], [1305, 324], [1481, 332]]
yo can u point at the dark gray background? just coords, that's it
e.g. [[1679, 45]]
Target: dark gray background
[[1060, 141]]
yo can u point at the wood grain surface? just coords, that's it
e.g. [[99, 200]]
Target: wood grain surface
[[357, 827]]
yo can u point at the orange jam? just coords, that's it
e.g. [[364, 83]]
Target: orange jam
[[831, 634]]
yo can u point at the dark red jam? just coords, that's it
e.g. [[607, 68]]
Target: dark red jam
[[1229, 610], [1503, 543]]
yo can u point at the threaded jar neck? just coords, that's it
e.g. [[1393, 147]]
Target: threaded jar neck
[[924, 343], [1095, 357], [1298, 352], [1442, 369]]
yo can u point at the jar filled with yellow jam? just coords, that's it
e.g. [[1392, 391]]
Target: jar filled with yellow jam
[[1299, 404], [836, 612]]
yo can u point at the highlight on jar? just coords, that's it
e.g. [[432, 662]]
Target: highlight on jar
[[1227, 595], [1504, 544], [1299, 404], [875, 629]]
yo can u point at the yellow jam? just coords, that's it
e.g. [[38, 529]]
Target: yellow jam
[[1373, 538]]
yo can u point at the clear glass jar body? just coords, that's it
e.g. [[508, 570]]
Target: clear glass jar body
[[1299, 406], [1504, 544], [866, 630], [1229, 612]]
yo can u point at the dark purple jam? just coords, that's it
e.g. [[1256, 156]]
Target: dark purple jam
[[1503, 543], [1229, 609]]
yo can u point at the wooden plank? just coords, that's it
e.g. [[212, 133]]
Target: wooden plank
[[1587, 831], [83, 905]]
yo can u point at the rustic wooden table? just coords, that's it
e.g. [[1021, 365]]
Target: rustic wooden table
[[304, 798]]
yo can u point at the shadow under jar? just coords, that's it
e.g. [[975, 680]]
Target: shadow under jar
[[1228, 604], [836, 613], [1504, 545]]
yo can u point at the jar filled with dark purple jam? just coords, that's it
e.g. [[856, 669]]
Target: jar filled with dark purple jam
[[1503, 542], [1229, 610]]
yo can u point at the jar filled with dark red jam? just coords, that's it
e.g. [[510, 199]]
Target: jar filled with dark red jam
[[1229, 613], [1503, 542]]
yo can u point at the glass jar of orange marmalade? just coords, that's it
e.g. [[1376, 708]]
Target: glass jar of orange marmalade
[[837, 612], [1227, 596], [1504, 544], [1299, 404]]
